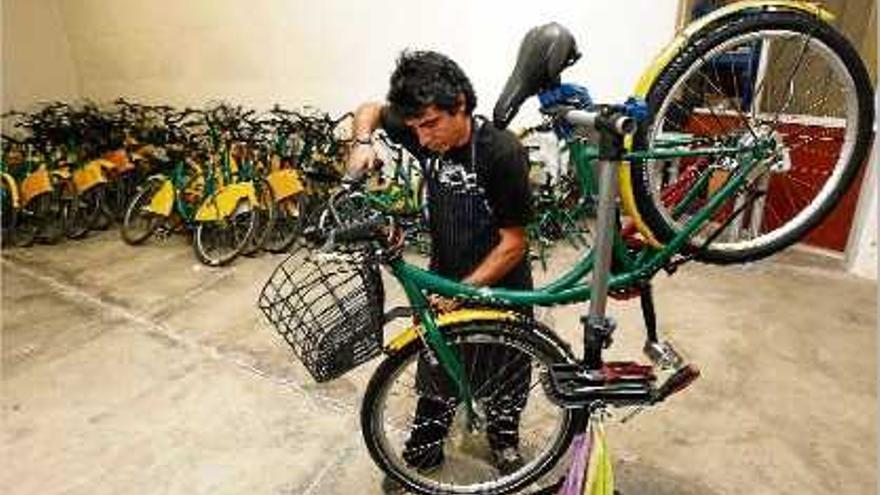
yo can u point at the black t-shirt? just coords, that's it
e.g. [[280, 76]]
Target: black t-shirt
[[501, 166]]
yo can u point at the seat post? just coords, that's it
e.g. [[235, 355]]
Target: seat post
[[597, 325]]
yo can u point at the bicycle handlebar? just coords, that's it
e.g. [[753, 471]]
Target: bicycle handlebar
[[612, 121], [364, 230]]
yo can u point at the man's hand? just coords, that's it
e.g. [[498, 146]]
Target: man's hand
[[362, 156], [360, 160], [442, 304]]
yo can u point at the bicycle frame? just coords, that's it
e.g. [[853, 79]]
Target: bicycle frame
[[168, 199], [630, 268]]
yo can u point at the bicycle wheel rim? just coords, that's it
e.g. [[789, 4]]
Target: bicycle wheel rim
[[288, 223], [790, 205], [138, 224], [467, 465]]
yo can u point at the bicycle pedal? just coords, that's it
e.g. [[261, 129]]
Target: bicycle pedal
[[677, 382], [663, 355], [616, 383]]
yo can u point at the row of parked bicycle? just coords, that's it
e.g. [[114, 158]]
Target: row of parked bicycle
[[231, 178], [237, 181]]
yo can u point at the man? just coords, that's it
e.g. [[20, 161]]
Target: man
[[478, 206]]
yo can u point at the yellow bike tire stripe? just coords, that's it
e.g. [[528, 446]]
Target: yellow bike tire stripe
[[646, 80], [411, 333], [628, 201], [665, 56]]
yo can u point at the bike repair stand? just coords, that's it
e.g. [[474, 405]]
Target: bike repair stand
[[593, 382]]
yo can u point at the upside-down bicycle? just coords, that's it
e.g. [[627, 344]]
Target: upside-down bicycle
[[711, 168]]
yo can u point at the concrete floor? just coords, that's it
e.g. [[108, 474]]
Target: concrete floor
[[137, 370]]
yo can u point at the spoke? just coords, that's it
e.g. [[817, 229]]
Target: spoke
[[690, 112], [497, 374], [760, 85], [821, 102], [739, 112], [805, 139], [773, 212], [403, 421], [708, 105], [789, 84], [805, 184], [735, 85], [788, 194]]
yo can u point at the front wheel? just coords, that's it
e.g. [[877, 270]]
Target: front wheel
[[288, 223], [218, 242], [786, 91], [267, 214], [138, 221], [72, 210], [98, 216], [120, 192], [419, 435]]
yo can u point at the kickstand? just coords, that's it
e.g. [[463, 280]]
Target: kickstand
[[649, 315]]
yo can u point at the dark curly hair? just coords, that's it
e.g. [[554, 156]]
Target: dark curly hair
[[424, 78]]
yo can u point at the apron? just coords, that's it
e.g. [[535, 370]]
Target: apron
[[463, 226], [463, 231]]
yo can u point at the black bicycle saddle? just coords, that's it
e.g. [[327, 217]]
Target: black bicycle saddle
[[544, 53]]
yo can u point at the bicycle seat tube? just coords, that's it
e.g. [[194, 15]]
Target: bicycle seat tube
[[612, 127]]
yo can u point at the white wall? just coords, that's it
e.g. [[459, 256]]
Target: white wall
[[862, 253], [37, 65], [861, 249], [333, 54]]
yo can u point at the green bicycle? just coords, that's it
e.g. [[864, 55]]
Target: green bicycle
[[200, 192], [708, 170]]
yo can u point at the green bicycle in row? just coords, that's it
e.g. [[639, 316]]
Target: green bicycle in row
[[710, 169]]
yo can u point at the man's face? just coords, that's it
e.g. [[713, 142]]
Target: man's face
[[439, 130]]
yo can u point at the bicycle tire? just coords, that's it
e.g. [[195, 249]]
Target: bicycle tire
[[100, 216], [513, 336], [120, 192], [135, 212], [26, 224], [693, 58], [48, 213], [288, 224], [73, 212], [9, 217], [267, 215], [238, 228]]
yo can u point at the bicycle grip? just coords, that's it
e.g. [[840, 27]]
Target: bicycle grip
[[358, 231]]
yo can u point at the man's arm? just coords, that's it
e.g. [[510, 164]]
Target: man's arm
[[498, 263], [510, 197], [367, 118], [501, 259]]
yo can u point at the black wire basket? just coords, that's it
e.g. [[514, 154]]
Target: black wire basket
[[328, 306]]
